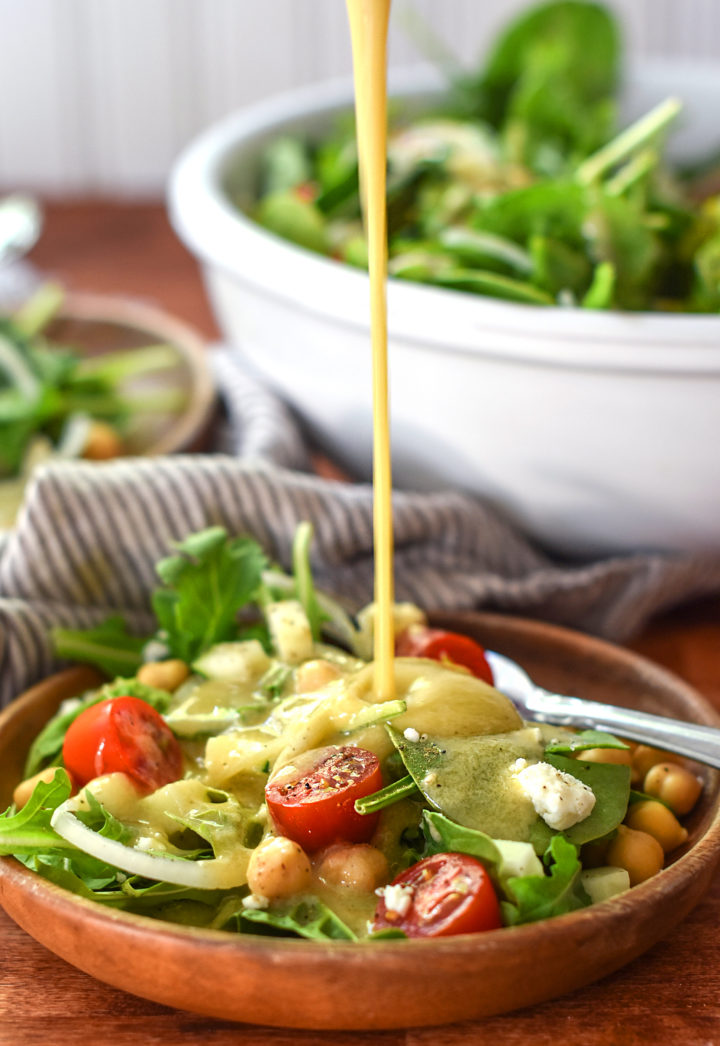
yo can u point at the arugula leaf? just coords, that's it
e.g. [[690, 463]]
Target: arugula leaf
[[122, 687], [308, 918], [206, 583], [445, 836], [28, 830], [28, 836], [102, 821], [222, 822], [537, 897], [156, 899], [109, 646]]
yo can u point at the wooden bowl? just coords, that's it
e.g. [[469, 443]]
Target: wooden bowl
[[391, 984], [95, 324]]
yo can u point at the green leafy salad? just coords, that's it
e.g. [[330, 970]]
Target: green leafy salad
[[59, 401], [239, 771], [521, 185]]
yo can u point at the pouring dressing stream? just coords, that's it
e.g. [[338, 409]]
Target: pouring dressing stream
[[368, 29]]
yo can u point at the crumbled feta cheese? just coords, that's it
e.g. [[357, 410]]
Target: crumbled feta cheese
[[519, 764], [411, 734], [255, 901], [560, 799], [430, 779], [398, 898]]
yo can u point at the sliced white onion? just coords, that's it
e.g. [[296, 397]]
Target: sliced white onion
[[221, 873]]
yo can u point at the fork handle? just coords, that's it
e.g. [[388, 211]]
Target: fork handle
[[689, 739]]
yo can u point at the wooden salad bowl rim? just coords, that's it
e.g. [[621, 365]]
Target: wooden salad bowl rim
[[389, 984], [186, 429]]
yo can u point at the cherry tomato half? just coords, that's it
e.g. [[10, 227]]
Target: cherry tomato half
[[315, 804], [443, 895], [123, 734], [439, 645]]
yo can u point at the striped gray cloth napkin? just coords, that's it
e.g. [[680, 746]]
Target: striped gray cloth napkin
[[88, 537]]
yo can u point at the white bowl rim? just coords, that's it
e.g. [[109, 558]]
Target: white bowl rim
[[228, 240]]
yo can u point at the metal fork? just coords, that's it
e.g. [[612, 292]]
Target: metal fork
[[534, 703]]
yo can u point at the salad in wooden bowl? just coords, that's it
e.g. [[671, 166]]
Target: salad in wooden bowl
[[95, 377], [236, 796]]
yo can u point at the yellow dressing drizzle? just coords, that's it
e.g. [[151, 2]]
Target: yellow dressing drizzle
[[368, 29]]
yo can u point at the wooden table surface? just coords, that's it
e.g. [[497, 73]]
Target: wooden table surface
[[670, 995]]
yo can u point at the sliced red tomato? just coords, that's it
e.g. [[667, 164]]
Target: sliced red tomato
[[315, 804], [440, 896], [439, 645], [123, 734]]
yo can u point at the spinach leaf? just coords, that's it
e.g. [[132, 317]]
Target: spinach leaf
[[468, 779], [552, 69], [538, 897], [206, 583], [610, 783]]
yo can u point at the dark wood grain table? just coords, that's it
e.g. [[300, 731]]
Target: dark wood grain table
[[671, 995]]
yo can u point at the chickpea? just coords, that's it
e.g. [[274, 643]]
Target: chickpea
[[358, 866], [621, 756], [279, 868], [654, 818], [102, 443], [314, 675], [675, 785], [644, 758], [165, 675], [25, 789], [637, 852]]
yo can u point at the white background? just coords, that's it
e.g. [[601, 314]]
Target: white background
[[100, 95]]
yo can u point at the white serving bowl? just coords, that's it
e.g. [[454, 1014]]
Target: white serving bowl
[[596, 432]]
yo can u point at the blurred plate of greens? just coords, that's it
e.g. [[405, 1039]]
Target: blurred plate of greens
[[522, 186], [95, 377]]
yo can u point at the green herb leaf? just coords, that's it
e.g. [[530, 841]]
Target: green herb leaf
[[307, 918], [109, 646], [304, 580], [538, 897], [445, 836], [392, 793], [28, 831], [209, 580], [610, 783], [587, 739]]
